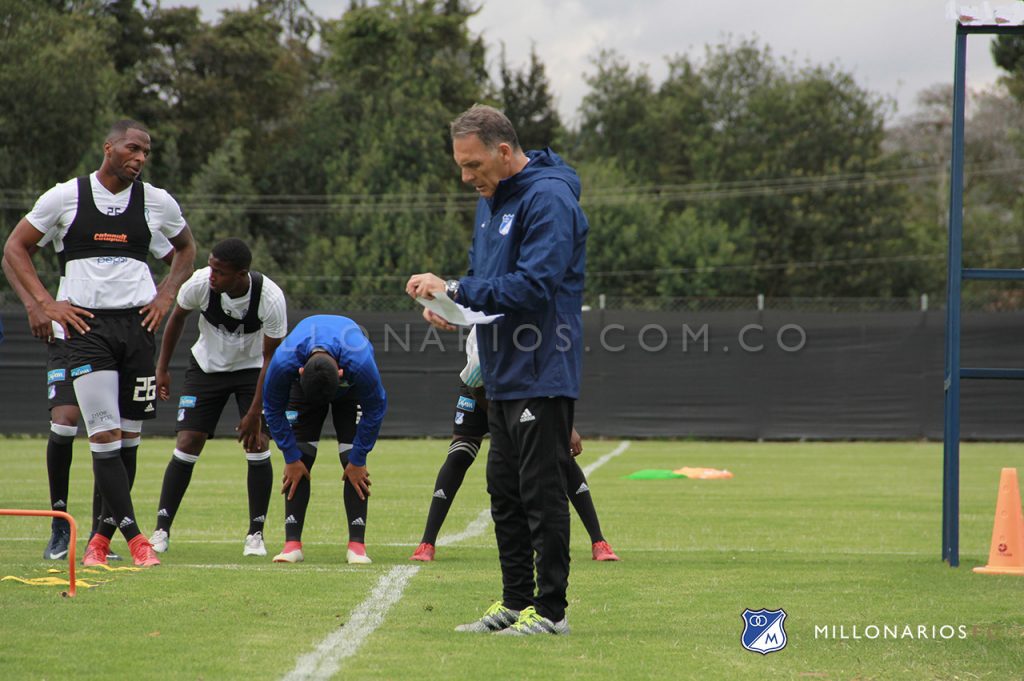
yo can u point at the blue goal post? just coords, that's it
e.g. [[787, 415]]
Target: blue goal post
[[1009, 24]]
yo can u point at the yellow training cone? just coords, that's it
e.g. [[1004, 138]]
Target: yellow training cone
[[1006, 557]]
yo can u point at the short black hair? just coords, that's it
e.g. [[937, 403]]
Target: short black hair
[[233, 251], [120, 128], [319, 380]]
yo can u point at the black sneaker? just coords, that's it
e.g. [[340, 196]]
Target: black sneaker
[[60, 535]]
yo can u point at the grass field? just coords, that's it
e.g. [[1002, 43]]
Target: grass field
[[838, 534]]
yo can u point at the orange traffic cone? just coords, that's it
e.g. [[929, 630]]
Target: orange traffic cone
[[1006, 557]]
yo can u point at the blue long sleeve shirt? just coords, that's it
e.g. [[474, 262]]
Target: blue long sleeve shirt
[[344, 340]]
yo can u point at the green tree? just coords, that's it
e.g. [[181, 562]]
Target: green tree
[[771, 120], [641, 245], [992, 162], [616, 116], [204, 81], [375, 139], [527, 101], [57, 89]]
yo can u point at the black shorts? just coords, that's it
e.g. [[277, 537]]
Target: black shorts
[[471, 413], [308, 421], [59, 390], [117, 341], [204, 395]]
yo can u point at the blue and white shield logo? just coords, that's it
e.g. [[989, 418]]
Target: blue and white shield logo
[[763, 630], [506, 223], [459, 418]]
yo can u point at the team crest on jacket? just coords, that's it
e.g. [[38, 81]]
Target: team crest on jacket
[[459, 418], [763, 630], [506, 223]]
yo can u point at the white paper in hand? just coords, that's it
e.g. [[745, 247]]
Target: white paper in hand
[[456, 314]]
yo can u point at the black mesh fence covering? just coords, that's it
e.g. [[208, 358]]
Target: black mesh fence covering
[[748, 374]]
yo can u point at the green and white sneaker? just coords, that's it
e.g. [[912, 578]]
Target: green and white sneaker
[[497, 618], [531, 622]]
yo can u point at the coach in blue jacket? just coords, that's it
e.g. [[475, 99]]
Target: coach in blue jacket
[[526, 262]]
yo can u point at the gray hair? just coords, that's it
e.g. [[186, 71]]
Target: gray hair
[[488, 124]]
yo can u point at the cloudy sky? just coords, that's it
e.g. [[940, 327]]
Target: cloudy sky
[[893, 47]]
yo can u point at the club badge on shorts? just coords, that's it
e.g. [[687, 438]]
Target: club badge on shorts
[[763, 630], [459, 418]]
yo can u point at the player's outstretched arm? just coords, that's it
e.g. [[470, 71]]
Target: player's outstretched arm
[[575, 443], [172, 334], [250, 428], [181, 269], [359, 477], [18, 250], [37, 321], [294, 472]]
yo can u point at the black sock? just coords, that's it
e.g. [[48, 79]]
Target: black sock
[[355, 508], [461, 454], [129, 457], [97, 509], [176, 478], [579, 495], [112, 478], [260, 482], [58, 469], [295, 510]]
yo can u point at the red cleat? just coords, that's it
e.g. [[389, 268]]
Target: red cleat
[[356, 554], [424, 552], [291, 553], [602, 551], [97, 550], [142, 551]]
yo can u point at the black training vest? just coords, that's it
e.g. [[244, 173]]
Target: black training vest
[[215, 314], [95, 235]]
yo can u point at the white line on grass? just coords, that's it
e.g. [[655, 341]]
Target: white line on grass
[[473, 530], [623, 446], [325, 660]]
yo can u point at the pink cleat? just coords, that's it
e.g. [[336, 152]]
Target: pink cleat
[[602, 551], [423, 552], [142, 552], [97, 550]]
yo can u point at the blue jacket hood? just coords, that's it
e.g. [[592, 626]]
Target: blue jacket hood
[[544, 164]]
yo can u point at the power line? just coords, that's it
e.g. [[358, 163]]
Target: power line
[[418, 202]]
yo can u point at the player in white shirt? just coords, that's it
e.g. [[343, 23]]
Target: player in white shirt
[[243, 319], [64, 411], [108, 309]]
